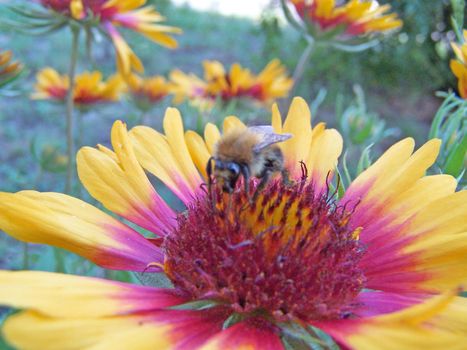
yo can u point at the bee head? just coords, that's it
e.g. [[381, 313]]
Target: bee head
[[227, 173]]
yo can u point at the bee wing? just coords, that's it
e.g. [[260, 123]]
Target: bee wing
[[261, 129], [268, 136]]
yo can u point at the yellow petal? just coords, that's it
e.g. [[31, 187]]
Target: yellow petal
[[276, 119], [383, 168], [442, 217], [323, 156], [69, 223], [426, 190], [68, 296], [430, 325], [155, 155], [297, 123], [122, 186], [211, 136], [173, 127], [33, 331], [198, 151], [232, 122]]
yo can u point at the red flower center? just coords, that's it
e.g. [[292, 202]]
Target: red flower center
[[290, 254]]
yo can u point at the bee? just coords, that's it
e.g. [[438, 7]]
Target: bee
[[250, 152]]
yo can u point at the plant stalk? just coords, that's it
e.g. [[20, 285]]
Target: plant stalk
[[299, 70], [25, 256], [69, 108]]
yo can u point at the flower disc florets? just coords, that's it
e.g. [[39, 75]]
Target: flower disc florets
[[288, 254]]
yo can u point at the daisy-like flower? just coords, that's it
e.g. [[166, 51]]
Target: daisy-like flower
[[89, 87], [270, 84], [130, 14], [354, 17], [147, 91], [9, 70], [189, 87], [377, 269], [459, 66]]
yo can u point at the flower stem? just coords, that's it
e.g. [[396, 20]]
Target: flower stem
[[69, 107], [25, 256], [300, 68]]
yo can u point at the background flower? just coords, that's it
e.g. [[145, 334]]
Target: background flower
[[459, 66], [239, 82], [89, 87], [354, 17], [108, 15], [148, 90], [9, 70]]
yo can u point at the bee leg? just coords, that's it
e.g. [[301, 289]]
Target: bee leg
[[246, 178], [266, 176], [286, 177], [209, 174]]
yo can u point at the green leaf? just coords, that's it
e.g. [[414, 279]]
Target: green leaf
[[364, 162], [457, 20], [456, 159]]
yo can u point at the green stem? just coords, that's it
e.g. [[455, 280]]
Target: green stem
[[70, 106], [59, 260], [25, 256], [142, 119], [79, 140], [299, 69], [37, 182]]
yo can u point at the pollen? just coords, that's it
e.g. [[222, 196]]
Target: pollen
[[290, 254]]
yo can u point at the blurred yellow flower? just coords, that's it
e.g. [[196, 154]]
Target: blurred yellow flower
[[89, 88], [239, 82], [130, 14], [459, 66], [148, 89], [355, 17], [9, 69]]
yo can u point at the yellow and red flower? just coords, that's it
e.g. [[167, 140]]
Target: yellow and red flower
[[459, 66], [89, 87], [9, 70], [148, 90], [130, 14], [377, 269], [355, 17], [270, 84]]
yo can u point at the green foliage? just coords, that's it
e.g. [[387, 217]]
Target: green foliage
[[450, 125], [457, 20], [49, 156], [358, 125]]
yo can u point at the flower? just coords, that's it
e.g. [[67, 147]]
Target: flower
[[271, 83], [354, 17], [377, 269], [459, 66], [130, 14], [9, 70], [89, 87], [189, 87], [147, 90]]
